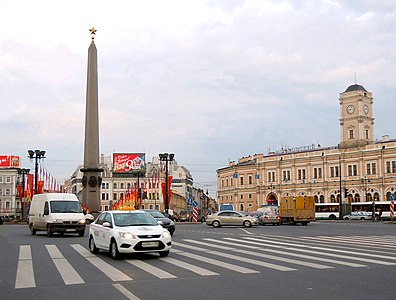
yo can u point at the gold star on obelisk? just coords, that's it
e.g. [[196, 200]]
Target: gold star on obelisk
[[93, 32]]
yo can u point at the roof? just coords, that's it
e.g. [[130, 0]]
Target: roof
[[355, 87]]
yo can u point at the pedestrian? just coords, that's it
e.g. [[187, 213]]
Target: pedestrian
[[380, 214], [1, 220]]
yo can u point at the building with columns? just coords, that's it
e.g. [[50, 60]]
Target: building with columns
[[360, 167]]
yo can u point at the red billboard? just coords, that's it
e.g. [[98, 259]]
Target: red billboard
[[129, 163], [9, 161]]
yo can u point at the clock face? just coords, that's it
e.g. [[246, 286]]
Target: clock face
[[366, 109], [350, 109]]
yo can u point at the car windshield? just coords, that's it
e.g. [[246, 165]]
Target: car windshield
[[156, 214], [65, 207], [134, 219]]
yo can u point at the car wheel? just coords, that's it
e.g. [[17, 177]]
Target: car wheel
[[32, 230], [92, 246], [114, 250], [164, 253], [362, 218], [49, 231], [346, 218], [332, 217], [216, 224], [247, 224]]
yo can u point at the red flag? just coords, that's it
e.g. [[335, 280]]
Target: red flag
[[40, 185], [30, 183], [19, 187]]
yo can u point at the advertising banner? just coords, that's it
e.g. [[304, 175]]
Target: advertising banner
[[129, 163], [9, 161]]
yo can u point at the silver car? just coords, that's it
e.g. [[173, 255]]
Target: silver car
[[231, 217], [358, 215]]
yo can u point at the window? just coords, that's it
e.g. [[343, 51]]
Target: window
[[241, 196], [115, 185], [115, 196], [250, 196], [241, 180], [391, 167], [226, 181], [122, 185], [351, 134], [367, 134], [317, 173], [286, 175], [332, 172], [1, 179], [8, 179], [7, 192], [352, 170], [271, 176], [371, 168], [250, 179]]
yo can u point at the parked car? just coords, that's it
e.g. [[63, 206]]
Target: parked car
[[358, 215], [231, 217], [269, 217], [165, 221], [172, 217], [120, 231], [184, 216], [255, 214]]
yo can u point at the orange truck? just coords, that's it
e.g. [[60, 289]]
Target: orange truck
[[293, 210]]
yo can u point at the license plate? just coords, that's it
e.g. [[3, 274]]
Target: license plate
[[69, 230], [150, 244]]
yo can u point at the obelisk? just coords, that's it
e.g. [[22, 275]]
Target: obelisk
[[92, 172]]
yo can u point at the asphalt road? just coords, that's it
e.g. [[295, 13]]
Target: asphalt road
[[324, 260]]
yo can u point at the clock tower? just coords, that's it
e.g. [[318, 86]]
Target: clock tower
[[357, 121]]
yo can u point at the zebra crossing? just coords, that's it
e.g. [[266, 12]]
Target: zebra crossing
[[215, 257]]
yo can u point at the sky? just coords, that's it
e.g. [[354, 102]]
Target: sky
[[210, 81]]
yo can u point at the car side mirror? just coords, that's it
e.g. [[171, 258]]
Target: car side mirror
[[160, 223], [107, 224]]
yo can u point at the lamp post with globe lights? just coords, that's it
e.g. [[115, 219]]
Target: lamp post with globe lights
[[166, 158], [37, 155]]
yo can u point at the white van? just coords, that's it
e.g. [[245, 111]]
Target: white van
[[56, 212]]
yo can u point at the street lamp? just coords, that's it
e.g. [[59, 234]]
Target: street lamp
[[166, 158], [365, 182], [37, 155], [23, 172]]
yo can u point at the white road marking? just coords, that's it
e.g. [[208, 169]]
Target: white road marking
[[65, 269], [25, 274], [187, 266], [157, 272], [125, 292], [111, 272]]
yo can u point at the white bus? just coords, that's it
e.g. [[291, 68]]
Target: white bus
[[327, 211], [384, 206]]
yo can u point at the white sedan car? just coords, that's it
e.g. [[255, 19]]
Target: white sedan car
[[128, 232]]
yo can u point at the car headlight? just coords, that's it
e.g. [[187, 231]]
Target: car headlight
[[166, 234], [127, 235], [82, 221], [172, 223]]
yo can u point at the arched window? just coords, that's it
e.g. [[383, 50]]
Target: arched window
[[322, 199], [316, 199], [332, 198], [241, 207], [376, 197]]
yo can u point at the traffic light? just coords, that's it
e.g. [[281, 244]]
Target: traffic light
[[346, 193]]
